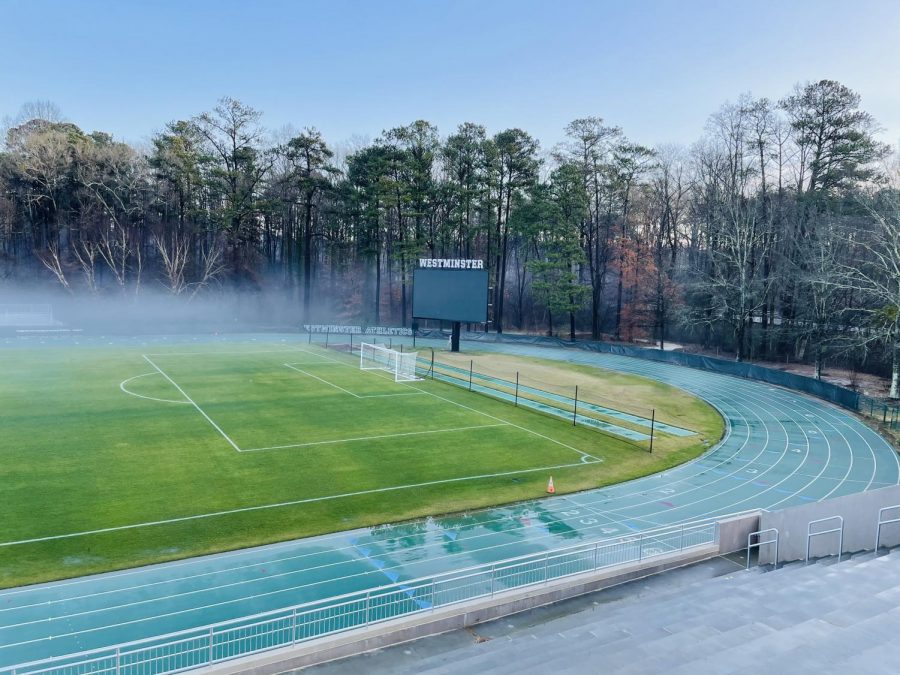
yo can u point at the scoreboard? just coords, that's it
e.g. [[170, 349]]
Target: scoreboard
[[450, 290]]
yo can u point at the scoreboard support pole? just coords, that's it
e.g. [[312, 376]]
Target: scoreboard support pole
[[454, 337]]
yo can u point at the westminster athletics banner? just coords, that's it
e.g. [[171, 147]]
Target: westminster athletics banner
[[357, 330]]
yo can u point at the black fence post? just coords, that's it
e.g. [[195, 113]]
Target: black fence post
[[309, 338], [401, 347], [327, 333], [575, 411], [471, 366], [652, 427], [351, 343], [432, 363], [517, 388]]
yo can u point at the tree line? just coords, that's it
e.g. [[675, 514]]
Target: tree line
[[776, 235]]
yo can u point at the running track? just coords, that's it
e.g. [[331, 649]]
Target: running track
[[781, 449]]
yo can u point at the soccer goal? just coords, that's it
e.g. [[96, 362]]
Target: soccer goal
[[401, 364]]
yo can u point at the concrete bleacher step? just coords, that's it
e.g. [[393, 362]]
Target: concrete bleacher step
[[663, 657], [775, 646], [812, 615]]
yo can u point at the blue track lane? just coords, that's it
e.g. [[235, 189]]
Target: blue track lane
[[781, 449]]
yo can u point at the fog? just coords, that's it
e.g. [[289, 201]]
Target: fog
[[157, 312]]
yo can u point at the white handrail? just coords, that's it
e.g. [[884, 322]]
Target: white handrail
[[760, 543], [840, 530], [881, 522]]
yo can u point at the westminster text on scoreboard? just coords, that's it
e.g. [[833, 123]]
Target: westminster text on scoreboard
[[452, 263]]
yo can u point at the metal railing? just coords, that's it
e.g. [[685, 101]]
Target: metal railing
[[211, 644], [25, 315], [839, 530], [888, 413], [760, 543], [882, 521]]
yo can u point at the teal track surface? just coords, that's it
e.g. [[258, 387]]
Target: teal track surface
[[781, 449]]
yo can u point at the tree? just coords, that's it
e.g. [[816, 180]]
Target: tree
[[666, 210], [513, 166], [874, 271], [113, 182], [465, 162], [233, 137], [368, 193], [309, 157], [733, 287], [412, 160], [834, 138], [629, 162], [589, 146], [555, 269]]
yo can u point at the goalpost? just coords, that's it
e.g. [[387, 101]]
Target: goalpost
[[401, 364]]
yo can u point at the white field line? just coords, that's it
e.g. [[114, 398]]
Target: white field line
[[149, 398], [292, 366], [295, 502], [191, 401], [512, 424], [447, 400], [321, 356], [372, 438], [316, 377], [286, 350]]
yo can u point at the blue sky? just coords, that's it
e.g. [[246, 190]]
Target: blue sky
[[655, 68]]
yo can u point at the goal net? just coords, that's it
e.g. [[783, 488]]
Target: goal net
[[401, 364]]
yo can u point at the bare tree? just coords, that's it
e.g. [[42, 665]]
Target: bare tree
[[175, 255], [51, 259], [211, 267], [875, 272], [85, 252]]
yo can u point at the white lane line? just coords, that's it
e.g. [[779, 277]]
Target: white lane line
[[372, 438], [149, 398], [295, 502], [193, 403]]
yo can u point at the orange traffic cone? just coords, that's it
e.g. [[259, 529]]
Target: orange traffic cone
[[550, 489]]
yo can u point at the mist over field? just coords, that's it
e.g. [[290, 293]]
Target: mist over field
[[157, 312]]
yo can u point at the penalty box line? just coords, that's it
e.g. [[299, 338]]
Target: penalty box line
[[296, 502], [372, 438], [293, 366], [586, 457], [193, 403]]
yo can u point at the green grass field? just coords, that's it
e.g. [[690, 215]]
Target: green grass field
[[118, 456]]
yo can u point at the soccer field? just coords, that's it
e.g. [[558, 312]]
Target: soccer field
[[116, 455]]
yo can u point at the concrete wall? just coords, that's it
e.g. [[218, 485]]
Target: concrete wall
[[733, 532], [860, 513], [453, 617]]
